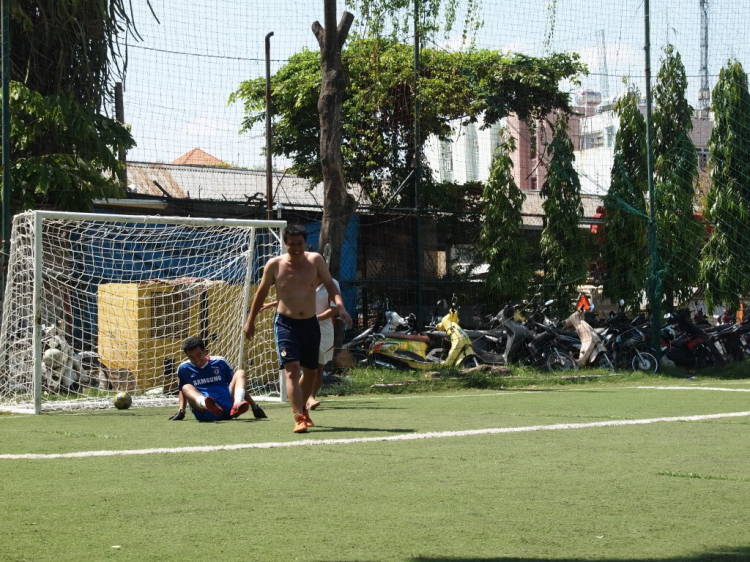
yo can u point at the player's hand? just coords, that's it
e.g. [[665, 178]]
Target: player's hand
[[268, 306], [249, 331], [344, 315], [179, 416]]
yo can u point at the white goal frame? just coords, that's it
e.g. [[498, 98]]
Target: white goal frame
[[274, 227]]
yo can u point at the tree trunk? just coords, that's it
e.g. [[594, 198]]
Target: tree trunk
[[338, 204]]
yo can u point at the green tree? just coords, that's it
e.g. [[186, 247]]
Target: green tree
[[725, 260], [64, 61], [63, 155], [502, 242], [377, 113], [679, 234], [395, 18], [562, 241], [624, 256]]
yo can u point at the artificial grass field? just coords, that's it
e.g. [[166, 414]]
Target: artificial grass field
[[664, 491]]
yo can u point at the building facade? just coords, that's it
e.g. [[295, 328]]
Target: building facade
[[467, 155]]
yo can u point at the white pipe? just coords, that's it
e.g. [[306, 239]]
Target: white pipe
[[246, 299], [102, 217], [37, 311]]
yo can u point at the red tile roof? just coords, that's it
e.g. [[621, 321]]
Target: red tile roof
[[198, 157]]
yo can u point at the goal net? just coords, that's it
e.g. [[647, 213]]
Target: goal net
[[96, 304]]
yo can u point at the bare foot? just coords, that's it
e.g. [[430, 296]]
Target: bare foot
[[312, 404]]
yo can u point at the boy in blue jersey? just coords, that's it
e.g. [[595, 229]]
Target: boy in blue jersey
[[211, 387]]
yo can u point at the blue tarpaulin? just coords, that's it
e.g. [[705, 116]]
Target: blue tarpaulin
[[348, 261]]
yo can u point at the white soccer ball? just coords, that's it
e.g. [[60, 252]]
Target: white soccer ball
[[122, 401]]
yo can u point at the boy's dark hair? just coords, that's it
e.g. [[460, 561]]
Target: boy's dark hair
[[294, 230], [192, 343]]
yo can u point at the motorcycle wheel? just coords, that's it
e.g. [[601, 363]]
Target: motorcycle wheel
[[385, 363], [603, 361], [561, 361], [706, 357], [359, 358], [646, 362], [471, 361]]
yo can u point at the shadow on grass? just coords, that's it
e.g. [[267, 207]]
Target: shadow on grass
[[331, 406], [340, 429], [740, 554], [732, 371]]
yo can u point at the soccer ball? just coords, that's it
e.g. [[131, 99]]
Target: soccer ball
[[123, 400]]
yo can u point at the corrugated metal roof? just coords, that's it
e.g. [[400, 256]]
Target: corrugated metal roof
[[240, 184], [533, 206], [216, 184]]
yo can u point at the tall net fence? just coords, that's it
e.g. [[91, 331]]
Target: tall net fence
[[514, 166], [184, 68]]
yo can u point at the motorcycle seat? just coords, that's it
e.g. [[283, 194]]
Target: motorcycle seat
[[412, 337]]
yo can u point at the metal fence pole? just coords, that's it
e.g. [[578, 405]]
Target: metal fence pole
[[6, 142], [654, 297], [419, 277]]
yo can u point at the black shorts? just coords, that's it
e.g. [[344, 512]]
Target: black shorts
[[297, 340]]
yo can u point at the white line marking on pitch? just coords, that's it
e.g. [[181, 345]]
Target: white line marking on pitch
[[717, 388], [434, 396], [409, 437]]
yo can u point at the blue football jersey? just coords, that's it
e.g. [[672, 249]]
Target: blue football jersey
[[212, 379]]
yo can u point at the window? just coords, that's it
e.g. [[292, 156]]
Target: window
[[592, 140], [610, 136], [532, 141], [533, 185], [447, 156], [702, 154]]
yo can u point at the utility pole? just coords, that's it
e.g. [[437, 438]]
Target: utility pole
[[269, 171], [120, 116], [603, 71], [704, 94]]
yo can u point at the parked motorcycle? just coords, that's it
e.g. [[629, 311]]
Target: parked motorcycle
[[412, 351], [490, 341], [627, 343], [64, 369], [687, 345], [535, 341], [592, 351]]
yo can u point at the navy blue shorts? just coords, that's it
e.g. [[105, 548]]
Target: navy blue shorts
[[297, 340], [224, 401]]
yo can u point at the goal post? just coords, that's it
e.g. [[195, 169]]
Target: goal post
[[98, 303]]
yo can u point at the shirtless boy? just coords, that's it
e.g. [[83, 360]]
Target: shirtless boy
[[296, 275]]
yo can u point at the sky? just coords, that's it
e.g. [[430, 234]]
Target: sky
[[182, 69]]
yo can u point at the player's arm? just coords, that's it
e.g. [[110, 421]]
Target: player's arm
[[333, 291], [329, 312], [268, 306], [266, 283], [180, 415]]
